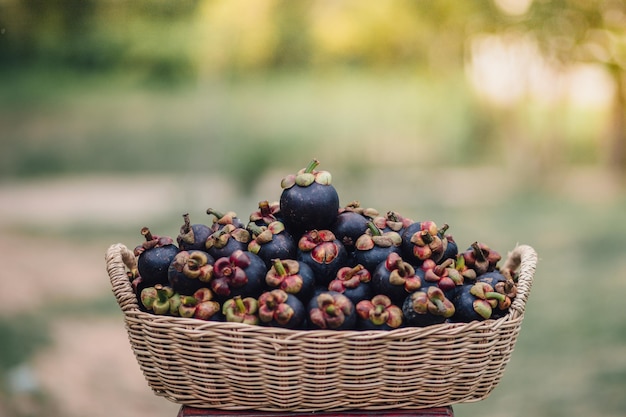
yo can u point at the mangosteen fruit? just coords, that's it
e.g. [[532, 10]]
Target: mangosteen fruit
[[291, 276], [271, 242], [190, 270], [192, 236], [396, 278], [444, 275], [353, 282], [427, 306], [226, 240], [332, 311], [280, 309], [379, 313], [308, 200], [481, 258], [242, 273], [421, 241], [323, 253], [351, 222], [154, 257], [477, 301], [373, 247], [241, 310]]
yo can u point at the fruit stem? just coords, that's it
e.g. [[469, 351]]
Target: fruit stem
[[392, 216], [352, 272], [478, 253], [214, 212], [495, 295], [312, 165], [239, 303], [147, 234], [279, 267], [375, 230], [264, 207], [187, 226], [254, 229], [443, 230]]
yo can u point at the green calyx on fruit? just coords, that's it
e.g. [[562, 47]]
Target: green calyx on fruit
[[355, 206], [148, 296], [380, 310], [194, 265], [206, 310], [284, 274], [187, 306], [445, 274], [432, 301], [392, 221], [349, 277], [487, 299], [402, 273], [263, 234], [481, 258], [321, 244], [307, 176], [241, 310], [230, 272], [273, 306], [266, 213], [331, 310], [219, 238], [375, 237]]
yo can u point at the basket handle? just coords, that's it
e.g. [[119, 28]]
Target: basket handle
[[523, 259], [119, 259]]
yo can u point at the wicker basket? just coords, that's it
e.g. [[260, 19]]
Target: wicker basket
[[232, 366]]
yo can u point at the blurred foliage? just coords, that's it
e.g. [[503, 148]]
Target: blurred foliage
[[208, 55]]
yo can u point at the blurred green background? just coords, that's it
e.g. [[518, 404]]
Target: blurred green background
[[503, 118]]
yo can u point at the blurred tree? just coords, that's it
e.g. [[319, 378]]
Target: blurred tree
[[587, 31]]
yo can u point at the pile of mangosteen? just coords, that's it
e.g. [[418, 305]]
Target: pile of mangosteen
[[305, 262]]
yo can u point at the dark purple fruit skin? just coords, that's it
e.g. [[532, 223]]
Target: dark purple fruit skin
[[371, 258], [463, 304], [348, 226], [381, 285], [282, 246], [183, 284], [491, 278], [451, 251], [201, 233], [415, 319], [154, 263], [325, 272], [407, 246], [306, 208], [348, 324], [255, 272], [298, 320], [138, 285], [363, 291]]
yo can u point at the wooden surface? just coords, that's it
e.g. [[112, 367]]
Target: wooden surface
[[427, 412]]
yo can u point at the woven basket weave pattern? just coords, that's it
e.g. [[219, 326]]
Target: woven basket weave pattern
[[232, 366]]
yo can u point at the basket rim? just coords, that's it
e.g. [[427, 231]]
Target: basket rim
[[119, 259]]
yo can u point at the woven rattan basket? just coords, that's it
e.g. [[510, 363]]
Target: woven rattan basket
[[232, 366]]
